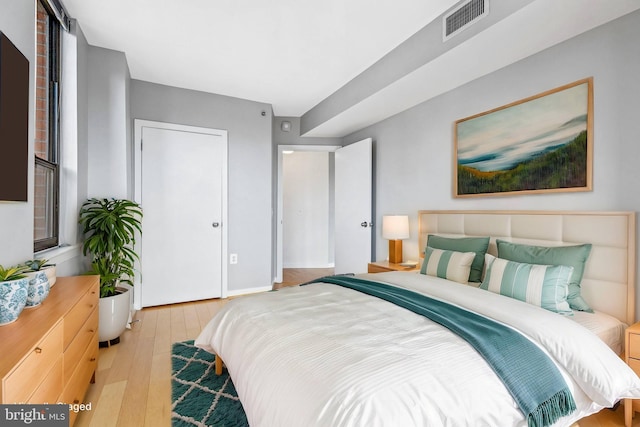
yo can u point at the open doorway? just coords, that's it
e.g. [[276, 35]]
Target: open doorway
[[305, 219]]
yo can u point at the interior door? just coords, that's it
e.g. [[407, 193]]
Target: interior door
[[182, 182], [353, 207]]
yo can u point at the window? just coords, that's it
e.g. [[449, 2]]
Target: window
[[47, 133]]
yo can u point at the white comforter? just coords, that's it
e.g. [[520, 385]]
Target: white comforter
[[324, 355]]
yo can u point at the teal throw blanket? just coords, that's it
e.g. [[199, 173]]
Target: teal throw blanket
[[526, 371]]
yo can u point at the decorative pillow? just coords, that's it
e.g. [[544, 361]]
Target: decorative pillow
[[449, 265], [478, 245], [574, 256], [543, 285], [488, 260]]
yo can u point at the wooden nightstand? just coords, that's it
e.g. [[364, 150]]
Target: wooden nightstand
[[632, 357], [382, 266]]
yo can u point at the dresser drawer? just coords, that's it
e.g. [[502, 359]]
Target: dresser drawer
[[26, 377], [79, 314], [51, 387], [634, 346], [75, 389], [78, 346]]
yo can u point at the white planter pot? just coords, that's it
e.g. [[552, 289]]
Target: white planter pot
[[51, 274], [114, 315]]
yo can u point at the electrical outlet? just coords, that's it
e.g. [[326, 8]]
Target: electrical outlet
[[233, 259]]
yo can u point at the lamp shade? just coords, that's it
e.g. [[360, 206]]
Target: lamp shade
[[395, 227]]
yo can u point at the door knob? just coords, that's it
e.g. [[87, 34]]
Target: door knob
[[366, 224], [215, 225]]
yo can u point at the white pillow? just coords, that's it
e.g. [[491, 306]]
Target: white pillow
[[450, 265]]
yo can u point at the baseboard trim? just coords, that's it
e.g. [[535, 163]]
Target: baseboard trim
[[235, 293], [330, 265]]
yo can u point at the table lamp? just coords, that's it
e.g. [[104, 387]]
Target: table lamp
[[395, 228]]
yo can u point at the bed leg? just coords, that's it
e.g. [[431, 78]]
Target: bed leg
[[218, 365]]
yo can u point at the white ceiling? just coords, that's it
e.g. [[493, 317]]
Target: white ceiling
[[292, 54], [288, 53]]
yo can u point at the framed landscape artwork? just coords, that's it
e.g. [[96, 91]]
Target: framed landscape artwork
[[539, 144]]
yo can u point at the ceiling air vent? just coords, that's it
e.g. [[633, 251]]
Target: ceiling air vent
[[463, 16]]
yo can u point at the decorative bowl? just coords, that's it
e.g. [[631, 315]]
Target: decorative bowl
[[38, 288], [13, 298]]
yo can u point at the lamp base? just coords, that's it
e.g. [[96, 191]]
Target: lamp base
[[395, 251]]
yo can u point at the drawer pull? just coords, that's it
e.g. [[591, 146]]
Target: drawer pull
[[76, 401], [91, 331], [38, 350], [93, 359]]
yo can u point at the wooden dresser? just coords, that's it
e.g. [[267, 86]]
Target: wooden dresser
[[50, 354]]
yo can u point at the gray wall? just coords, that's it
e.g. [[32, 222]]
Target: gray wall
[[293, 136], [249, 170], [414, 149], [83, 114], [109, 134], [16, 218]]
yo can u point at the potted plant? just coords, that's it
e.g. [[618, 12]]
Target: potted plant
[[39, 284], [13, 293], [43, 265], [110, 227]]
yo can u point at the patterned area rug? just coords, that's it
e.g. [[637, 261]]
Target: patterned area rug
[[199, 397]]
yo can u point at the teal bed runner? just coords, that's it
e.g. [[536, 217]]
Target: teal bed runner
[[526, 371]]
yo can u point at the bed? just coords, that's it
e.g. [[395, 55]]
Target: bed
[[327, 355]]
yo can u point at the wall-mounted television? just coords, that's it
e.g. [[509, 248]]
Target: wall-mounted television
[[14, 122]]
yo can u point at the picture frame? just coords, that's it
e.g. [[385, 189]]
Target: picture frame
[[540, 144]]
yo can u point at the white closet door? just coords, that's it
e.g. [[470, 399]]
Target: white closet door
[[182, 198]]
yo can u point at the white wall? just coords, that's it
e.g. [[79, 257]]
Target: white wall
[[414, 149], [306, 209], [73, 160], [74, 151], [17, 22], [293, 137]]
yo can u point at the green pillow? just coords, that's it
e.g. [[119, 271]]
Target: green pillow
[[574, 256], [478, 245], [541, 285]]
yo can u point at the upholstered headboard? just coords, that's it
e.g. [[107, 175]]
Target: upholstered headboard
[[608, 283]]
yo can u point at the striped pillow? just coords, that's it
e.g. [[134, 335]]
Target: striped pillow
[[546, 286], [449, 265]]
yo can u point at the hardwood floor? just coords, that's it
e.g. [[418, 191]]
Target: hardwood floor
[[295, 276], [133, 382]]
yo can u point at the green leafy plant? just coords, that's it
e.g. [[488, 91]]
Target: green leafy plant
[[12, 273], [37, 264], [110, 227]]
